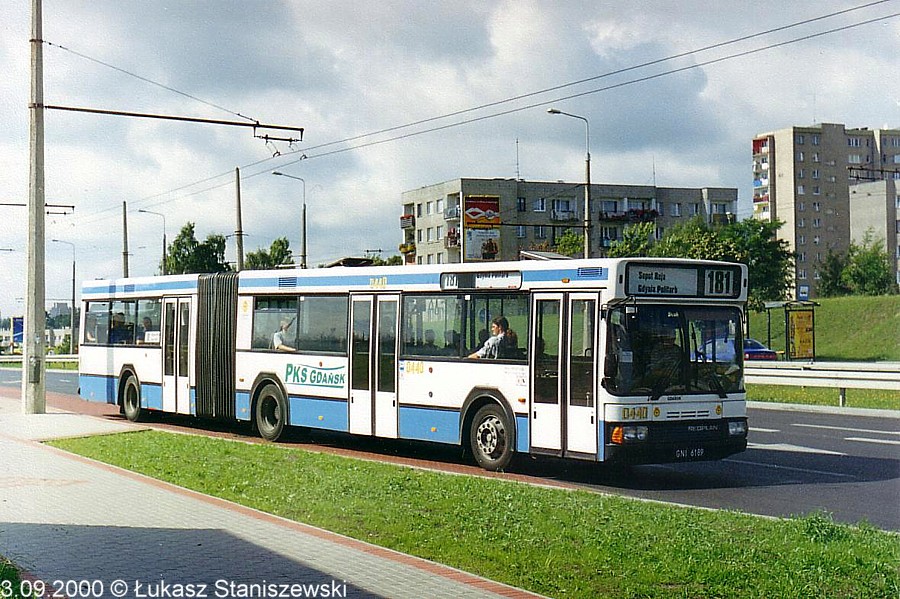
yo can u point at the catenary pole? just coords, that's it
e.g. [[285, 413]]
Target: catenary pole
[[239, 230], [33, 390], [125, 239]]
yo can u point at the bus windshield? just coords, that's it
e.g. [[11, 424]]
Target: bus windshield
[[661, 350]]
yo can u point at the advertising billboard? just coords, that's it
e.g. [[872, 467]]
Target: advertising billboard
[[481, 225]]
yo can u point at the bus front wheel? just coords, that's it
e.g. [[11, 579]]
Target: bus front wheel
[[131, 400], [271, 413], [490, 438]]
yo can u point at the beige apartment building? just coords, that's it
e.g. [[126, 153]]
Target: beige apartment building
[[809, 178], [476, 220]]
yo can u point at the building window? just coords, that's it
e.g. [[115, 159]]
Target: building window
[[817, 206], [540, 205], [817, 191], [661, 207], [800, 140], [439, 232], [815, 139], [801, 223], [815, 173], [520, 231], [428, 207], [853, 142], [817, 223], [800, 156], [817, 240], [854, 158], [418, 209], [540, 232], [609, 206], [430, 236], [801, 240], [520, 205], [801, 273], [801, 206], [801, 257], [815, 157], [695, 209], [439, 207], [801, 173], [801, 189], [420, 235], [676, 209]]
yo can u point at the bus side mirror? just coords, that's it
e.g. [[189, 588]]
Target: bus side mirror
[[610, 366]]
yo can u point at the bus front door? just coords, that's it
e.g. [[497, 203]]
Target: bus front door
[[563, 374], [373, 366], [176, 328]]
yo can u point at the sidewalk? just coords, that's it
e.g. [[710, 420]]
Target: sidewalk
[[64, 518]]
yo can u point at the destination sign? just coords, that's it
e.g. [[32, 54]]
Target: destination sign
[[481, 280], [662, 280]]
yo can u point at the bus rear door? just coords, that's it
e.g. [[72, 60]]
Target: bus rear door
[[373, 365], [176, 332]]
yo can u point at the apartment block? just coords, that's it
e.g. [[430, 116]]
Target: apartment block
[[802, 176], [476, 220]]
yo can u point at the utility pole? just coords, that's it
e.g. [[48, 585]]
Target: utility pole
[[33, 390], [239, 232], [124, 240]]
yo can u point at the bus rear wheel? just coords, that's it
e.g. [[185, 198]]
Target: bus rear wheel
[[490, 438], [271, 413], [131, 400]]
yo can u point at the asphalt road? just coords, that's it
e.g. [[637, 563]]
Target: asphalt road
[[798, 462]]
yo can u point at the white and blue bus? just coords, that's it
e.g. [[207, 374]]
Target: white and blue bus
[[635, 360]]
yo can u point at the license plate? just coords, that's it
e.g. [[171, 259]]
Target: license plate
[[689, 453]]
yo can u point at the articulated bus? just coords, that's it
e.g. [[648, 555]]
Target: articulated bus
[[623, 360]]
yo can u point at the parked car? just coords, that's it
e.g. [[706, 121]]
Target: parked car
[[754, 350]]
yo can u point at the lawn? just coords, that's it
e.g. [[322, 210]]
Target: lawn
[[550, 541]]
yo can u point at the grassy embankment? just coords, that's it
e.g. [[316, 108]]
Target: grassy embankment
[[848, 329], [550, 541]]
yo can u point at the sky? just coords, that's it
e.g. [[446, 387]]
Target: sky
[[397, 95]]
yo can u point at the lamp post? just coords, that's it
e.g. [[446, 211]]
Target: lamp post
[[73, 342], [163, 216], [303, 217], [587, 178]]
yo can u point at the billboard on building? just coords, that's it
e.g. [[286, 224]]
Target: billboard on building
[[481, 226]]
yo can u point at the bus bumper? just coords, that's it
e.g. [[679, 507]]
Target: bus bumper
[[665, 442]]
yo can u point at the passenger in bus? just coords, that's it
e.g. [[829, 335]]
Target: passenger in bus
[[451, 343], [495, 345], [666, 356], [429, 348], [119, 332], [278, 339]]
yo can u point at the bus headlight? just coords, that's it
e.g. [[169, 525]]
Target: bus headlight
[[737, 428], [629, 434]]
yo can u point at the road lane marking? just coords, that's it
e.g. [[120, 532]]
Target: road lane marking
[[848, 430], [791, 469], [879, 441], [793, 448], [753, 429]]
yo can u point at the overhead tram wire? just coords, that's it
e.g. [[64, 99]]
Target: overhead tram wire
[[307, 155]]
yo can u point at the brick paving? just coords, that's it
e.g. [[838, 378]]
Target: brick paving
[[63, 517]]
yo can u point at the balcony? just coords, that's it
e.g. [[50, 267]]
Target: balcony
[[726, 218], [407, 248], [761, 198], [408, 221], [452, 213], [634, 215], [563, 215], [451, 240]]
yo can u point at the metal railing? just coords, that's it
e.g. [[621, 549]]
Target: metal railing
[[839, 375], [58, 358]]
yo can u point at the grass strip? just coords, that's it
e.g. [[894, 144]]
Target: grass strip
[[824, 396], [550, 541]]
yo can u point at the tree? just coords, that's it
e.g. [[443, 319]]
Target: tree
[[186, 255], [570, 244], [831, 282], [279, 253], [752, 242], [868, 270], [395, 260], [637, 240], [770, 263]]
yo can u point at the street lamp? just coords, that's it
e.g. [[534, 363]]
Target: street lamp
[[587, 177], [303, 217], [73, 343], [164, 271]]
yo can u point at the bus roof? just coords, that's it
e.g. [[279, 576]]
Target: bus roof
[[622, 277]]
